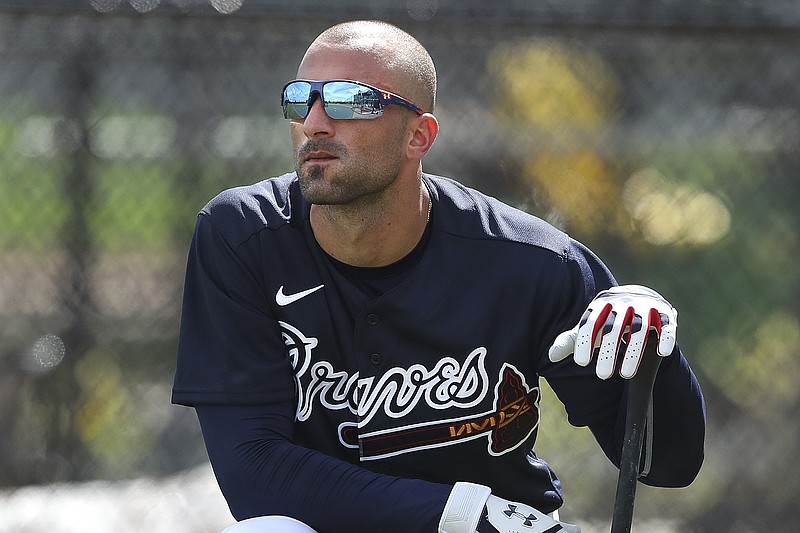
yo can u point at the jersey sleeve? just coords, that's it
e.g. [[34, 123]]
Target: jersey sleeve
[[230, 349], [261, 472], [674, 452]]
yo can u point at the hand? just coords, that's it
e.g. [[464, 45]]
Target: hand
[[620, 314], [471, 508]]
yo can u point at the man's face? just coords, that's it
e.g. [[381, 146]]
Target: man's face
[[342, 161]]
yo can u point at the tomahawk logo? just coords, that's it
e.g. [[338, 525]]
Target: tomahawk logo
[[513, 419]]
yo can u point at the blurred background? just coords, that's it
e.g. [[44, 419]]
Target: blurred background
[[665, 134]]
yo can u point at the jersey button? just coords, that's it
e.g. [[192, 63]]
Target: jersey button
[[373, 319], [375, 358]]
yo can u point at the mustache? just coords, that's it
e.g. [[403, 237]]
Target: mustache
[[321, 145]]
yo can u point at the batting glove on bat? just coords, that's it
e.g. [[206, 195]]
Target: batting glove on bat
[[620, 314], [471, 508]]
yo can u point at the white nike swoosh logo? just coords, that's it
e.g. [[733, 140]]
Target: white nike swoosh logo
[[286, 299]]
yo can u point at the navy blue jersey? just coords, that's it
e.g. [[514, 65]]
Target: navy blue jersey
[[426, 371]]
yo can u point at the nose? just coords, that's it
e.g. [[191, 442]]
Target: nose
[[317, 123]]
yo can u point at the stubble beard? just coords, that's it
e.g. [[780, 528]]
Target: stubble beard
[[352, 183]]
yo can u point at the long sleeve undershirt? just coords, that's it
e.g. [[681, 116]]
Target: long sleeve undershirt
[[261, 472]]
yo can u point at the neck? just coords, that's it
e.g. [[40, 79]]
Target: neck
[[375, 231]]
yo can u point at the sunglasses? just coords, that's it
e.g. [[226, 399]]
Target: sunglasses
[[342, 99]]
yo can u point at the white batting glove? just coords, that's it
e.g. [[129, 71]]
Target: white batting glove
[[471, 508], [624, 313]]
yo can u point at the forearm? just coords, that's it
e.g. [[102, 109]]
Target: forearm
[[261, 472], [678, 426], [672, 451]]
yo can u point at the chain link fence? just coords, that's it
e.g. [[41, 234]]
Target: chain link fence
[[665, 135]]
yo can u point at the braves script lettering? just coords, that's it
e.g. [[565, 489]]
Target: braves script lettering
[[450, 383]]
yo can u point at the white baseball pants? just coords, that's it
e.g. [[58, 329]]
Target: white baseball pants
[[269, 524]]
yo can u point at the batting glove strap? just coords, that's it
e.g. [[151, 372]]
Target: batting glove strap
[[464, 508]]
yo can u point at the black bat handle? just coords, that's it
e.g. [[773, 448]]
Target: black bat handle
[[640, 392]]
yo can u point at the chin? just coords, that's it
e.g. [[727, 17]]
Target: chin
[[317, 191]]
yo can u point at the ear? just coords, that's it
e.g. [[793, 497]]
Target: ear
[[423, 130]]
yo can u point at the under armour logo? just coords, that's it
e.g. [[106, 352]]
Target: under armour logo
[[527, 521]]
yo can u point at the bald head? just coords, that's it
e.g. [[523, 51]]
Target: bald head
[[389, 58]]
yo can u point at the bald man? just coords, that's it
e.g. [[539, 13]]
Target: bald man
[[363, 342]]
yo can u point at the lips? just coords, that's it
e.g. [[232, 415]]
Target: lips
[[319, 156]]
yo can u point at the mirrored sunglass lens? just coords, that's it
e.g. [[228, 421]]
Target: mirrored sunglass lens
[[345, 100], [295, 99]]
